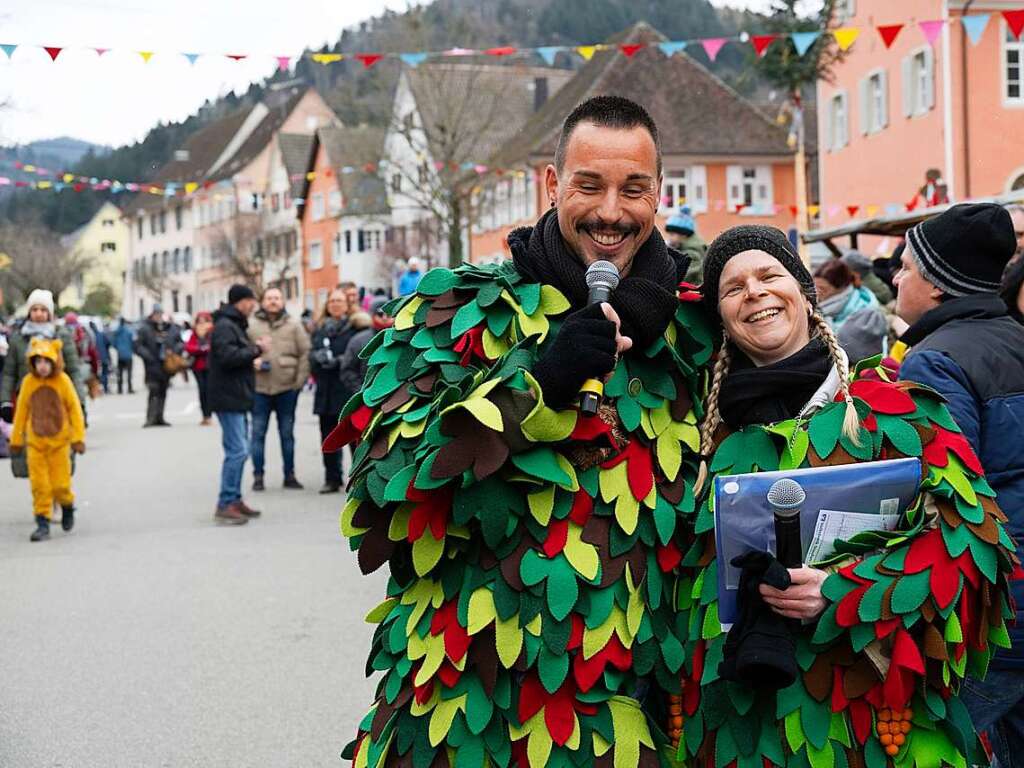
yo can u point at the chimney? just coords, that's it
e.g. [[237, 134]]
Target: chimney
[[540, 92]]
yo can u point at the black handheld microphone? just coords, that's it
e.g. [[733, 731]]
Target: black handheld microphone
[[786, 497], [602, 278]]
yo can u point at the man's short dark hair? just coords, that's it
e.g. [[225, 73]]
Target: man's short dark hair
[[606, 112]]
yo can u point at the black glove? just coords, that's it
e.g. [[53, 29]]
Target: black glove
[[325, 358], [760, 649], [7, 412], [584, 349]]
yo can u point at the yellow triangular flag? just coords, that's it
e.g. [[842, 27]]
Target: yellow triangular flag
[[146, 55], [190, 187], [68, 178], [327, 58], [310, 175], [813, 210], [44, 184], [586, 51], [845, 36], [872, 210]]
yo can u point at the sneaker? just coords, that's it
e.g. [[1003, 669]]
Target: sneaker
[[229, 515], [246, 510], [330, 488], [42, 531], [291, 482], [205, 423], [67, 518], [257, 482]]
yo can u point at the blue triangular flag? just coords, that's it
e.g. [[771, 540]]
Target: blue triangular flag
[[974, 25], [191, 57], [412, 59], [892, 209], [58, 186], [9, 49], [548, 53], [802, 41], [672, 47]]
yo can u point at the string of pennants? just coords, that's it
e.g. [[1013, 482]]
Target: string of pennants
[[974, 25]]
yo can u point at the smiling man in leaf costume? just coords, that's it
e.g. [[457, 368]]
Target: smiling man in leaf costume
[[898, 618], [531, 613]]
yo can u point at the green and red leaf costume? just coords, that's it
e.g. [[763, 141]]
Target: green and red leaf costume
[[532, 610], [911, 612]]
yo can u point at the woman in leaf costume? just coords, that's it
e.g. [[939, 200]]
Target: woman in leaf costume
[[531, 614], [899, 618]]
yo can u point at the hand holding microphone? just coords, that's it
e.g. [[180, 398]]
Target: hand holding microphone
[[803, 598]]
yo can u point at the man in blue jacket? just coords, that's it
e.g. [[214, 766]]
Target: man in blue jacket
[[963, 344], [124, 343]]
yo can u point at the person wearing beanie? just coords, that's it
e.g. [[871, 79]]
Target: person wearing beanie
[[681, 234], [813, 646], [38, 323], [863, 268], [964, 345], [156, 339], [231, 384]]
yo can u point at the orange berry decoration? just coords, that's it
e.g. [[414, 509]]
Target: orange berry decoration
[[885, 715], [899, 739], [883, 728], [908, 714], [886, 739], [892, 750], [905, 726]]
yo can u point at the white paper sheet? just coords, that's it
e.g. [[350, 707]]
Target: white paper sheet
[[833, 524]]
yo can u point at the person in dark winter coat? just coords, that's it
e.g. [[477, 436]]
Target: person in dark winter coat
[[233, 362], [330, 340], [965, 346], [103, 352], [198, 348], [123, 342], [156, 339], [1012, 290]]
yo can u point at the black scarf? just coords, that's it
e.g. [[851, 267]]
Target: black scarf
[[979, 306], [645, 300], [771, 393]]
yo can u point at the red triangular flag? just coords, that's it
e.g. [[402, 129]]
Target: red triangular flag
[[507, 50], [740, 207], [237, 56], [911, 205], [794, 210], [630, 48], [54, 52], [852, 209], [369, 59], [761, 42], [888, 33], [1015, 21]]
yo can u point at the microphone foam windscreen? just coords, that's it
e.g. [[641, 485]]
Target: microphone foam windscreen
[[786, 494], [602, 273]]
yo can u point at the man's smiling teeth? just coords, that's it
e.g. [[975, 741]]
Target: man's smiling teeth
[[611, 239], [764, 314]]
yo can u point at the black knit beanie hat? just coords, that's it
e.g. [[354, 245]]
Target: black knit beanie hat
[[753, 237], [964, 249]]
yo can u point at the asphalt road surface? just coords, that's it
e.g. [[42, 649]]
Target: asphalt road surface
[[150, 638]]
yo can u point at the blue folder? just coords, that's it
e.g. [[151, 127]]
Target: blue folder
[[744, 521]]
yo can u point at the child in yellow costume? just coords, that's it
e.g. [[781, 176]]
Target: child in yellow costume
[[48, 418]]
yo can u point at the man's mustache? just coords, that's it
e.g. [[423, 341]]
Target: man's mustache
[[600, 226]]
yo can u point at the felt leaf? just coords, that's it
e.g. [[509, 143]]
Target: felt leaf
[[508, 640], [486, 412], [670, 455], [381, 612], [436, 282], [542, 503], [544, 425], [631, 730], [426, 552], [481, 610], [825, 428], [442, 716], [552, 302], [542, 463], [467, 317], [581, 555]]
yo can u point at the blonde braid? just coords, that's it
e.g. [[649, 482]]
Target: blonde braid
[[851, 421], [711, 415]]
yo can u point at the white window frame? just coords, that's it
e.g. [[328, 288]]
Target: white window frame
[[336, 250], [918, 82], [694, 179], [758, 180], [318, 206], [316, 254], [874, 102], [1008, 44], [334, 202], [837, 139], [845, 10]]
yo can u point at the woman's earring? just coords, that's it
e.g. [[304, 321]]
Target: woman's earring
[[552, 203]]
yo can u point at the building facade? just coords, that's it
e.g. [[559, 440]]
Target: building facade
[[103, 244]]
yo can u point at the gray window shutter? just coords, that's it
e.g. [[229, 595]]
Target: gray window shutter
[[908, 86], [929, 68], [826, 125], [864, 105], [884, 117]]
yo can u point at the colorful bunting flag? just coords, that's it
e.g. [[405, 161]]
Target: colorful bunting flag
[[889, 33], [813, 210], [53, 51], [237, 56], [326, 58], [712, 46], [369, 59], [793, 210], [586, 51], [931, 30], [413, 59], [672, 47], [191, 57], [146, 55], [852, 210], [504, 50], [1015, 21], [803, 41], [190, 187], [548, 53], [975, 25], [845, 36], [8, 49], [872, 210], [100, 51], [630, 48], [283, 63], [761, 43]]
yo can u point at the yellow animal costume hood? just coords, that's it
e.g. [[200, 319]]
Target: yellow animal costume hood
[[48, 413]]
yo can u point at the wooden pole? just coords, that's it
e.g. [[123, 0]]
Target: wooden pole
[[800, 169]]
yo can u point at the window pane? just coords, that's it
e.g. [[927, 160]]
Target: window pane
[[1013, 91]]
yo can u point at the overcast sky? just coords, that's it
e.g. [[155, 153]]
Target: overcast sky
[[115, 98]]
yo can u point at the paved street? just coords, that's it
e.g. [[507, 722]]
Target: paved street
[[149, 637]]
